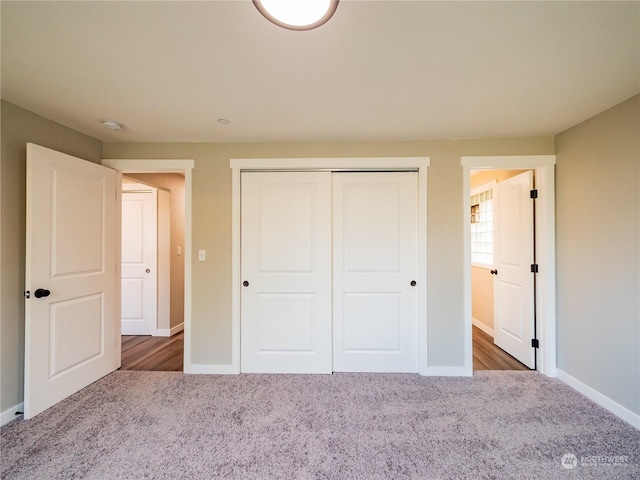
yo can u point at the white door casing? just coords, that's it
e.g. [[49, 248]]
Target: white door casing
[[286, 272], [544, 168], [71, 236], [184, 167], [139, 260], [365, 164], [164, 264], [375, 267], [513, 257]]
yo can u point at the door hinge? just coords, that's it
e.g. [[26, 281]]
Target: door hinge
[[533, 194], [534, 268], [535, 343]]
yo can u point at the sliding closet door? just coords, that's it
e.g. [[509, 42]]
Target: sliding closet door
[[286, 272], [375, 295]]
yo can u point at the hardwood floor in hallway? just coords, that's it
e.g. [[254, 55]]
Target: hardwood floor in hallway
[[144, 352], [141, 352], [486, 356]]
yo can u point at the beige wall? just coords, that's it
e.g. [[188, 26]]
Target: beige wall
[[482, 296], [598, 230], [598, 243], [18, 128], [598, 260], [173, 182], [481, 278], [211, 341]]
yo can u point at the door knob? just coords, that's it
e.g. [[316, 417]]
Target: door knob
[[245, 283], [148, 270], [494, 272], [41, 292], [413, 283]]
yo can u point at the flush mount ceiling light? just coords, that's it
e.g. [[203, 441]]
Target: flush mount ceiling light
[[111, 124], [297, 14]]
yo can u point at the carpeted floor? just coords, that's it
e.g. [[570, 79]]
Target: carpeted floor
[[167, 425]]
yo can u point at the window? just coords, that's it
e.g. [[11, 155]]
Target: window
[[482, 225]]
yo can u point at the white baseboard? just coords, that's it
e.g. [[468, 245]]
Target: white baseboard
[[229, 369], [212, 369], [447, 372], [602, 400], [169, 332], [486, 329], [9, 415]]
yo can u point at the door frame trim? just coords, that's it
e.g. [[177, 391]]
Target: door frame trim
[[544, 178], [186, 167], [238, 165]]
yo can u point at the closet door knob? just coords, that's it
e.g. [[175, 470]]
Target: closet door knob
[[413, 283], [245, 283], [494, 272]]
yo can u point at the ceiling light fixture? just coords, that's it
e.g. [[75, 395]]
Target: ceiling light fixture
[[297, 14], [112, 125]]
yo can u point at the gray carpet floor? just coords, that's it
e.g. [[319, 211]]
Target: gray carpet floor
[[166, 425]]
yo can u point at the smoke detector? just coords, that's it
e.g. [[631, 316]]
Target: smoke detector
[[112, 125]]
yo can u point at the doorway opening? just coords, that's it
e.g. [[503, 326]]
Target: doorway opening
[[173, 343], [152, 294], [488, 352], [543, 168]]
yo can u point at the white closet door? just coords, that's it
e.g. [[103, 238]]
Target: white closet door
[[286, 272], [375, 231]]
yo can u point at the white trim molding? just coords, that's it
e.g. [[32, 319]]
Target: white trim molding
[[168, 166], [544, 178], [418, 164], [170, 332], [485, 328], [448, 372], [11, 414], [602, 400], [223, 369]]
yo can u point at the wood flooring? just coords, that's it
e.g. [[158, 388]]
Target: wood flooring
[[144, 352], [486, 356], [166, 353]]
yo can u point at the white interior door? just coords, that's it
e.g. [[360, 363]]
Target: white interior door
[[375, 300], [286, 272], [513, 256], [139, 261], [70, 312]]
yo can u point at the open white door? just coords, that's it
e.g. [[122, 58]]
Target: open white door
[[375, 272], [513, 256], [139, 260], [70, 310]]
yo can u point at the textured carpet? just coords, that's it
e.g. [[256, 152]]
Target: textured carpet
[[158, 425]]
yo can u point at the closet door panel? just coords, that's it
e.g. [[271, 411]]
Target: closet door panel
[[374, 263], [286, 272]]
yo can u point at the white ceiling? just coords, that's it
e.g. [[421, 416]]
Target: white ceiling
[[381, 70]]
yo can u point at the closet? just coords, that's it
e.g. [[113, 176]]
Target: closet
[[329, 270]]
